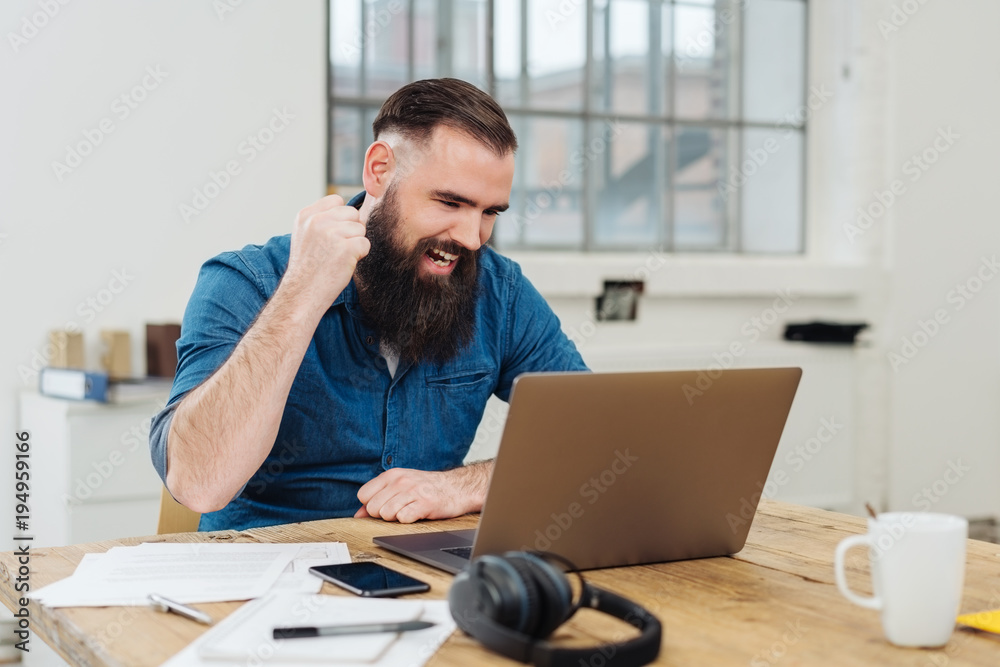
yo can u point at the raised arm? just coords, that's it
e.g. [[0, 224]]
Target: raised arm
[[222, 430]]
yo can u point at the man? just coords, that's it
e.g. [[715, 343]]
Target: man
[[343, 370]]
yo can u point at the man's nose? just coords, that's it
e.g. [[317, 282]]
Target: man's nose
[[465, 232]]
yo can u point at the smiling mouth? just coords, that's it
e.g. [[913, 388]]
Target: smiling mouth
[[441, 258]]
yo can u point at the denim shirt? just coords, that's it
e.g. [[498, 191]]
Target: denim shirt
[[347, 419]]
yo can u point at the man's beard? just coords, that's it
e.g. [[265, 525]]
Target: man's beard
[[419, 316]]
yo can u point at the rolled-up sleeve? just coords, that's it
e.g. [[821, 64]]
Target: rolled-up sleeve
[[226, 299]]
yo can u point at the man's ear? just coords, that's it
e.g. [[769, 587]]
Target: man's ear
[[380, 166]]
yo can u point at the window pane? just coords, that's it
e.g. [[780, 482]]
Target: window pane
[[557, 32], [628, 168], [706, 64], [469, 42], [386, 47], [347, 150], [345, 46], [620, 72], [547, 200], [701, 214], [772, 192], [507, 52], [774, 68], [425, 38]]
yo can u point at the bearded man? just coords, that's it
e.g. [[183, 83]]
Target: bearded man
[[342, 370]]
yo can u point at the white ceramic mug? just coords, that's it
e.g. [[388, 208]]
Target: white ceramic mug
[[918, 571]]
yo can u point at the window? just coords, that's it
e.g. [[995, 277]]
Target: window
[[675, 125]]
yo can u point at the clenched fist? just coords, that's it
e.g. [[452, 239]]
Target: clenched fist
[[327, 241]]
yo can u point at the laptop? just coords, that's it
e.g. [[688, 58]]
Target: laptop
[[613, 469]]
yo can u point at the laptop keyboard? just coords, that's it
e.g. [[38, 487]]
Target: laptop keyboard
[[461, 552]]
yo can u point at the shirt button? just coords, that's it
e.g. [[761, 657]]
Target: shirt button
[[388, 460], [370, 340]]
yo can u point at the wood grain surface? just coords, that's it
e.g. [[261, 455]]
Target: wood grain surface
[[774, 603]]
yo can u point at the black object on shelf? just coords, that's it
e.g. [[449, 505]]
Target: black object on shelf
[[824, 332]]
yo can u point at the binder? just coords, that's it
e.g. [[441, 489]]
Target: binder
[[73, 384]]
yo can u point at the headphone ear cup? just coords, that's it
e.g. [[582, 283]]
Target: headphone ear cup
[[529, 622], [497, 589], [555, 599]]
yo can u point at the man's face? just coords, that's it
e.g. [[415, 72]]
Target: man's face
[[419, 283], [452, 190]]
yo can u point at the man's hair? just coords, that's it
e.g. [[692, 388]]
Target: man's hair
[[416, 109]]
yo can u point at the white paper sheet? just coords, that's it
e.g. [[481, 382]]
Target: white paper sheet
[[250, 628], [187, 573]]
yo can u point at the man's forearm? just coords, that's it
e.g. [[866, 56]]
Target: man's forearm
[[224, 429], [472, 481]]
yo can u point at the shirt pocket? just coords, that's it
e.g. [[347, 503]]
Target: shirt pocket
[[460, 379]]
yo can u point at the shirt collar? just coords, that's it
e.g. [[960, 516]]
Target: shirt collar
[[357, 200]]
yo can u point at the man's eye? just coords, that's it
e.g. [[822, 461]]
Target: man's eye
[[449, 204]]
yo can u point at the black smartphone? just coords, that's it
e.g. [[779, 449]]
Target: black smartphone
[[369, 580]]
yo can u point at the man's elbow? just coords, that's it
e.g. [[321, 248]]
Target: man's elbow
[[199, 498]]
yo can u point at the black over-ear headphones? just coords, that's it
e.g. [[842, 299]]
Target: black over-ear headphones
[[512, 602]]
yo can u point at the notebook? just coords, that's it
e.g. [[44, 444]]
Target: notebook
[[613, 469]]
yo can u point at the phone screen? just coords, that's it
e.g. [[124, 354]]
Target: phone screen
[[369, 579]]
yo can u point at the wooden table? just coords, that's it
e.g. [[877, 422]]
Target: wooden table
[[774, 603]]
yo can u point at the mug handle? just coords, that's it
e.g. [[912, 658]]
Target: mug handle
[[873, 602]]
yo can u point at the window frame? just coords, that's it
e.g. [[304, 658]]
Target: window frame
[[590, 118]]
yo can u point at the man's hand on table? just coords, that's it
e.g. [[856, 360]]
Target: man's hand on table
[[407, 495]]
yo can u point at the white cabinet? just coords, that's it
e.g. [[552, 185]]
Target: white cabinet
[[91, 475]]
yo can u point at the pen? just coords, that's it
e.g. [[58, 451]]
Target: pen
[[161, 603], [359, 629]]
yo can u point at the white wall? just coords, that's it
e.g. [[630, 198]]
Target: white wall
[[61, 242], [119, 210], [944, 402]]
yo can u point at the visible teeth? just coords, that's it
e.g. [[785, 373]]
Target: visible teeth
[[441, 263], [447, 255]]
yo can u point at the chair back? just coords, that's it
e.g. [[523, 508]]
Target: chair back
[[174, 517]]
